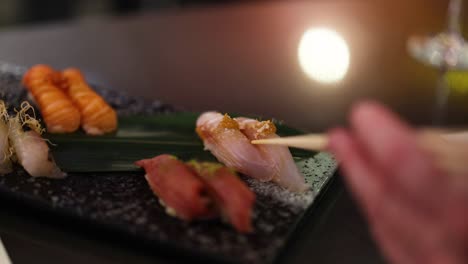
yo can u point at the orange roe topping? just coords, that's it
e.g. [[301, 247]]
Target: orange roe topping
[[228, 122], [265, 128]]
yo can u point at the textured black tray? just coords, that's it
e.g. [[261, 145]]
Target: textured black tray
[[123, 204]]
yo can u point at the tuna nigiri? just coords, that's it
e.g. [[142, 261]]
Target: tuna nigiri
[[286, 172], [232, 197], [29, 147], [221, 136], [183, 193]]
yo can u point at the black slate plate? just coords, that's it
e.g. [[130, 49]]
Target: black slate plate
[[122, 203]]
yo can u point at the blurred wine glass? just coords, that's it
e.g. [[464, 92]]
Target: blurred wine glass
[[447, 51]]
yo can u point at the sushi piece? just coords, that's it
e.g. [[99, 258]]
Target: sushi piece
[[221, 135], [199, 190], [58, 111], [183, 193], [233, 198], [29, 147], [97, 116], [286, 173], [5, 152], [229, 141]]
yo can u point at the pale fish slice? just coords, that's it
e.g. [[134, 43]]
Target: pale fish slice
[[286, 172], [221, 136], [30, 148], [4, 258]]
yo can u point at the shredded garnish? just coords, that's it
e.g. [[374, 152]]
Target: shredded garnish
[[4, 117], [11, 154], [8, 153], [50, 142], [29, 120], [3, 111]]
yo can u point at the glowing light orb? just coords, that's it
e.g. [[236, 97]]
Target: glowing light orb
[[323, 55]]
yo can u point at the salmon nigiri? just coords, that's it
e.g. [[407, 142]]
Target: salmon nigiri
[[98, 117], [286, 172], [58, 111], [221, 136]]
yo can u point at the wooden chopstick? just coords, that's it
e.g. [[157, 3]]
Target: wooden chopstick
[[315, 142], [319, 142], [450, 157]]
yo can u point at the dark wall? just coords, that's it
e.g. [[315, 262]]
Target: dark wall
[[14, 12]]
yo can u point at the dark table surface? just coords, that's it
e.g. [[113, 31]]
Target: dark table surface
[[238, 58]]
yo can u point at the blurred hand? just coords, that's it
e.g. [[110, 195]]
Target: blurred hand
[[412, 186]]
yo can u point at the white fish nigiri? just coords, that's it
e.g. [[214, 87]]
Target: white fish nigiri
[[221, 136], [286, 173], [5, 153], [30, 148]]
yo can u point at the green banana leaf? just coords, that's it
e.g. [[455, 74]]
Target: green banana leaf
[[138, 137]]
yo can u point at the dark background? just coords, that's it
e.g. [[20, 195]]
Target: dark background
[[257, 38], [31, 11]]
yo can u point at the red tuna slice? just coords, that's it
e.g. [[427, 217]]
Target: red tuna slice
[[231, 195], [183, 193]]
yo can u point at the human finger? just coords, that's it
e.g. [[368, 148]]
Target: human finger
[[357, 172], [392, 146]]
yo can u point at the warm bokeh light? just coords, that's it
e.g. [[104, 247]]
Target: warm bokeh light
[[323, 55]]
